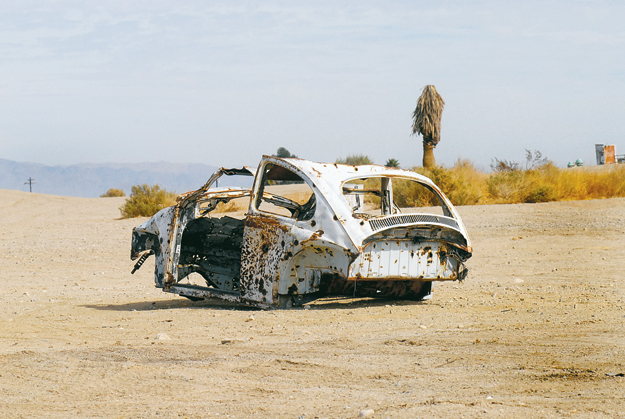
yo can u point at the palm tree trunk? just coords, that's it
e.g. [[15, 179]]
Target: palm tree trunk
[[428, 156]]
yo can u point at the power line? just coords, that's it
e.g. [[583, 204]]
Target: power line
[[30, 183]]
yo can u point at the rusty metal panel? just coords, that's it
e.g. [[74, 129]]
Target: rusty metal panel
[[264, 242], [158, 228], [301, 273], [404, 260], [610, 154]]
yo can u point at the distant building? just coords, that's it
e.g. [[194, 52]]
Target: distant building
[[606, 153]]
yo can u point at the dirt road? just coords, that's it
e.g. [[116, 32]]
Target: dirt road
[[537, 329]]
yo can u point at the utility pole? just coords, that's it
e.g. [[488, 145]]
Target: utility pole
[[30, 183]]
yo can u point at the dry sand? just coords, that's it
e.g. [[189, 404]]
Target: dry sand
[[537, 330]]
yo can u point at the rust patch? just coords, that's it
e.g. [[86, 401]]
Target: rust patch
[[261, 222], [442, 255], [316, 235], [333, 284]]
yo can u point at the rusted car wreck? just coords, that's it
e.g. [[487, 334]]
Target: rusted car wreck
[[311, 230]]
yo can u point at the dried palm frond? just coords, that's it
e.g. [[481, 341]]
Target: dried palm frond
[[427, 116]]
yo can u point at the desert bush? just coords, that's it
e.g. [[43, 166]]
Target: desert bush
[[469, 184], [145, 201], [504, 165], [506, 187], [112, 193], [542, 193]]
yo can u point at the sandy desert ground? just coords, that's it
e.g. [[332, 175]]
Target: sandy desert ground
[[537, 330]]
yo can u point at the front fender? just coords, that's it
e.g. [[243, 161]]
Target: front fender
[[153, 235]]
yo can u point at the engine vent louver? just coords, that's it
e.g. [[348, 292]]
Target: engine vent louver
[[394, 220]]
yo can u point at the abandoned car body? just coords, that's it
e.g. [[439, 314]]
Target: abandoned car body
[[311, 230]]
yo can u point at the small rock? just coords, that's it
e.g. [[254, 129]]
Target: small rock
[[307, 307], [251, 318], [518, 280], [366, 413], [423, 326], [162, 336]]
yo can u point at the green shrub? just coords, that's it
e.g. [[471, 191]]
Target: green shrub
[[284, 153], [392, 163], [145, 201], [112, 193], [543, 193]]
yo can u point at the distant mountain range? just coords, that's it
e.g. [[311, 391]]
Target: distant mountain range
[[92, 180]]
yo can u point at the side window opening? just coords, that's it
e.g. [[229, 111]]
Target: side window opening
[[381, 196], [284, 193], [219, 207]]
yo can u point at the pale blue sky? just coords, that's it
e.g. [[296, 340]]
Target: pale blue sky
[[224, 82]]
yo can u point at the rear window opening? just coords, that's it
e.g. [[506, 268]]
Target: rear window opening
[[382, 196]]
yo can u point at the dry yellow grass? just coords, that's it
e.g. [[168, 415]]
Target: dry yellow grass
[[465, 185]]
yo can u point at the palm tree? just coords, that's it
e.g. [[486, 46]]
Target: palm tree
[[427, 122], [392, 163]]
